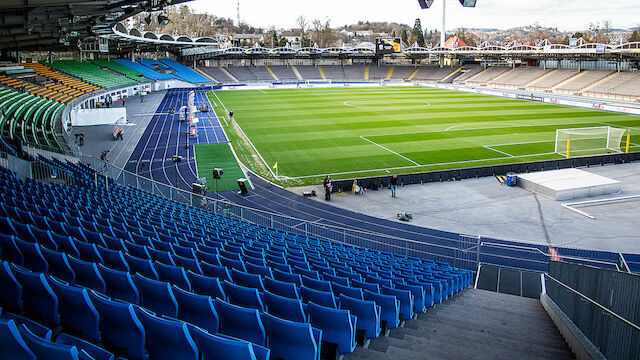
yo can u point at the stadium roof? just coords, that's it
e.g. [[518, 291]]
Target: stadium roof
[[56, 24]]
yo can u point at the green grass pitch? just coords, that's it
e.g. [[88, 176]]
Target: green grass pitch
[[355, 132], [211, 156]]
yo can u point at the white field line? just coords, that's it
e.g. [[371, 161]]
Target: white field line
[[224, 107], [488, 147], [262, 91], [416, 166], [389, 150], [249, 140]]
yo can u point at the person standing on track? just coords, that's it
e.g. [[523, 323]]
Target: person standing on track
[[327, 188]]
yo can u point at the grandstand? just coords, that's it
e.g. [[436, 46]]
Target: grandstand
[[554, 78], [582, 80], [145, 71], [491, 73], [519, 77], [121, 69]]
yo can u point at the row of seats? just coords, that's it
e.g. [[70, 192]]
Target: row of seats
[[145, 71], [184, 72], [160, 248], [121, 69], [92, 74], [30, 118], [48, 90], [56, 76]]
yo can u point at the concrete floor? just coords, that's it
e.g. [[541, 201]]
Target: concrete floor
[[99, 138], [484, 207]]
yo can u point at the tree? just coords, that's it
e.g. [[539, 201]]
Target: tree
[[303, 24], [393, 33], [599, 33], [404, 37], [466, 36], [417, 35], [634, 37]]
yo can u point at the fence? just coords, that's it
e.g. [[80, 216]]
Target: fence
[[459, 250], [602, 303]]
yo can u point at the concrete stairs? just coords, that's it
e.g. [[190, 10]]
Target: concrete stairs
[[474, 324], [226, 72], [295, 71], [596, 83], [449, 78], [206, 75], [540, 78], [581, 73], [272, 74]]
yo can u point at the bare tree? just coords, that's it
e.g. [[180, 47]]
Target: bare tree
[[303, 24]]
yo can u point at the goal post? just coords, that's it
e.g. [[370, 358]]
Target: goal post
[[590, 140]]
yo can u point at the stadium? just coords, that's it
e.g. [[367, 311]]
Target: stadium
[[177, 196]]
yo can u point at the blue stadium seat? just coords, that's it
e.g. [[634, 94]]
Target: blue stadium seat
[[160, 255], [344, 281], [323, 298], [406, 301], [257, 269], [113, 259], [390, 307], [316, 284], [284, 307], [353, 292], [219, 272], [240, 322], [190, 264], [367, 312], [33, 259], [76, 309], [141, 266], [87, 274], [11, 294], [292, 340], [139, 251], [37, 296], [167, 339], [419, 296], [156, 296], [365, 286], [174, 275], [338, 326], [120, 326], [10, 251], [197, 310], [211, 346], [287, 277], [213, 259], [65, 244], [281, 288], [45, 349], [232, 264], [243, 296], [12, 346], [119, 284], [94, 351], [23, 231], [35, 327], [44, 238], [205, 285], [58, 265], [247, 280]]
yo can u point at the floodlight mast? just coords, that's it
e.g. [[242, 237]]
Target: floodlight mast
[[425, 4]]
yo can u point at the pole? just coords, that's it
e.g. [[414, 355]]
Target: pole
[[628, 141], [568, 147], [442, 33]]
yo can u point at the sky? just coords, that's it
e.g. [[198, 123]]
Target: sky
[[566, 15]]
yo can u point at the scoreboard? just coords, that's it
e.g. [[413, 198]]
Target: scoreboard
[[388, 46]]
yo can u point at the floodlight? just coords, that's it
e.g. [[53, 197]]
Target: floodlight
[[217, 173], [468, 3], [425, 4], [163, 20], [148, 19]]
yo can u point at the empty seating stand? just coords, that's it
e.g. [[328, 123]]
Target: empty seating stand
[[195, 284]]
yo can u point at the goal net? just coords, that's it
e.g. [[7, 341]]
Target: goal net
[[589, 140]]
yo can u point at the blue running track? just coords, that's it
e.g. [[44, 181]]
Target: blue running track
[[165, 137]]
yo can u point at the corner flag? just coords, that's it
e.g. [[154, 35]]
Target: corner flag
[[275, 167]]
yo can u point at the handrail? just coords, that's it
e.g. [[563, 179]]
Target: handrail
[[520, 247], [594, 302], [224, 202]]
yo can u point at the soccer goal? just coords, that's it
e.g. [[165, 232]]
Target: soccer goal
[[589, 140]]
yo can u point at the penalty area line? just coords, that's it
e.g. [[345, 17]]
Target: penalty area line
[[389, 150]]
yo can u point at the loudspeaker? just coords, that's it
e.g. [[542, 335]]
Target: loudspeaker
[[468, 3], [217, 173], [425, 4], [243, 186]]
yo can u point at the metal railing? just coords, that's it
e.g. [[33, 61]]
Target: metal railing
[[585, 297], [447, 253]]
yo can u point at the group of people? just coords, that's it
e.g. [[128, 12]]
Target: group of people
[[328, 187]]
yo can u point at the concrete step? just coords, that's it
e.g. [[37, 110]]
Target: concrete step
[[474, 324]]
